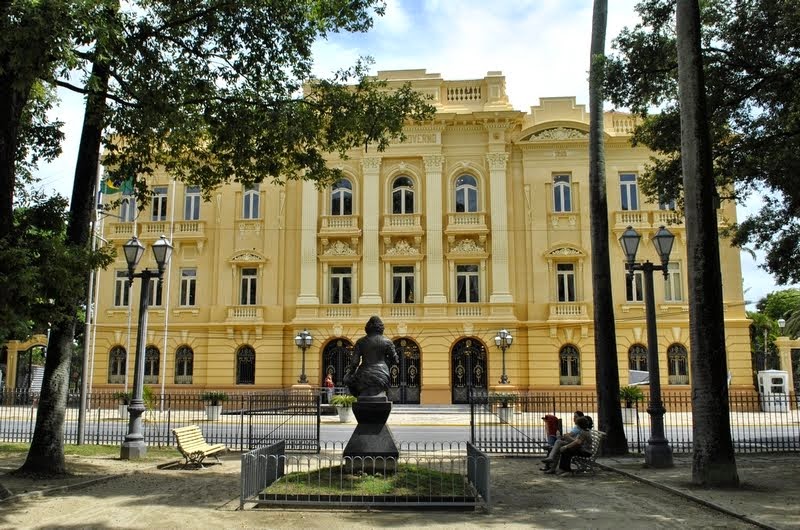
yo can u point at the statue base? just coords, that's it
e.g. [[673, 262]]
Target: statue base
[[372, 448]]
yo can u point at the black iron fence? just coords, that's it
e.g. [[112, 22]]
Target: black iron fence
[[247, 420], [512, 422]]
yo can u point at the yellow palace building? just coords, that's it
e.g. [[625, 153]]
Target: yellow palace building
[[478, 222]]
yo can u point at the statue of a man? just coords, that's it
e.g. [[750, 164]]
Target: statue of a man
[[368, 372]]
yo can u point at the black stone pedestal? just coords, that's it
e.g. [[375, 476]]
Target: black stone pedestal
[[371, 448]]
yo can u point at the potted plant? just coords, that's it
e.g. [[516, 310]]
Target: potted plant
[[505, 405], [124, 399], [344, 405], [213, 400], [630, 395]]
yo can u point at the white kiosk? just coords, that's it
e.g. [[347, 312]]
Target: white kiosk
[[773, 389]]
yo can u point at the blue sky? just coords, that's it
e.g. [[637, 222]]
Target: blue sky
[[541, 46]]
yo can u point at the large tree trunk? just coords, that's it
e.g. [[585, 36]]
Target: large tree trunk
[[46, 455], [714, 463], [605, 336], [13, 98]]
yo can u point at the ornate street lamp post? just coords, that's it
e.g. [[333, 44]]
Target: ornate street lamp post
[[134, 447], [303, 341], [658, 453], [503, 340]]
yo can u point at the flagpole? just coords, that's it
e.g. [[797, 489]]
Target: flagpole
[[166, 301]]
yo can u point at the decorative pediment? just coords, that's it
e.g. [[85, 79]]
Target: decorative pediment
[[565, 252], [247, 257], [339, 248], [402, 248], [467, 246], [559, 133]]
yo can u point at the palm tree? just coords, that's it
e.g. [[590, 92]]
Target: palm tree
[[714, 463], [605, 337]]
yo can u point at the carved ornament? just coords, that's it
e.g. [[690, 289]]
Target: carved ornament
[[402, 248], [560, 133], [339, 248]]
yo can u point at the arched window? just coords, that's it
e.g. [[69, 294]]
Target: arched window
[[116, 364], [246, 366], [466, 194], [342, 198], [403, 195], [250, 207], [335, 358], [151, 362], [570, 361], [637, 358], [678, 365], [184, 365]]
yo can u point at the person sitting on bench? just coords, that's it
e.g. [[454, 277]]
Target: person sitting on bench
[[580, 446], [552, 458]]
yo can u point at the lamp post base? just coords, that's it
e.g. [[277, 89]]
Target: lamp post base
[[133, 450], [658, 455]]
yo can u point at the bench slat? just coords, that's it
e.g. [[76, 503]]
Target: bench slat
[[193, 446]]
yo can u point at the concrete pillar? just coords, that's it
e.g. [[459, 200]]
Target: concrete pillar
[[434, 205], [499, 207], [371, 167]]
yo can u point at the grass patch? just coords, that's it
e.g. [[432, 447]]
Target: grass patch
[[409, 480], [90, 450]]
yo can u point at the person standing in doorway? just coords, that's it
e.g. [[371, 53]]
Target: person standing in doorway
[[329, 385]]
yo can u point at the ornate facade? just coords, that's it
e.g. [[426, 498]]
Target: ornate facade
[[478, 222]]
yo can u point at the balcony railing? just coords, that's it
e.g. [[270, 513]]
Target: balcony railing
[[337, 311], [403, 223], [648, 218], [190, 229], [466, 222], [568, 311], [403, 310], [468, 310], [245, 313], [345, 224]]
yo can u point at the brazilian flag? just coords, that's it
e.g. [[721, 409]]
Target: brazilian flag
[[109, 187]]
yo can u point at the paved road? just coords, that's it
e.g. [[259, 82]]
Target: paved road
[[402, 433]]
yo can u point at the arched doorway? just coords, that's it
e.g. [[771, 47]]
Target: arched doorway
[[468, 368], [404, 377], [335, 358]]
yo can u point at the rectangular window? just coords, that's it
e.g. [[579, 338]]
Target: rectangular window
[[188, 287], [467, 284], [154, 292], [121, 289], [629, 193], [562, 193], [341, 284], [403, 285], [673, 287], [634, 286], [127, 208], [191, 205], [251, 200], [565, 282], [159, 204], [249, 286], [666, 204]]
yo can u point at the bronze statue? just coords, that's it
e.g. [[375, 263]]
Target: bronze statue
[[368, 372]]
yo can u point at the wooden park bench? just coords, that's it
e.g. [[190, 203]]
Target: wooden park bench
[[587, 464], [193, 446]]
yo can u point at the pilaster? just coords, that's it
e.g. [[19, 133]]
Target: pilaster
[[371, 167], [308, 245], [497, 177], [434, 285]]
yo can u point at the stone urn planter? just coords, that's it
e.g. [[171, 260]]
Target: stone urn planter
[[630, 395], [213, 400], [344, 406]]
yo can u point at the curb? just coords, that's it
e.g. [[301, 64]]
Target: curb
[[687, 496]]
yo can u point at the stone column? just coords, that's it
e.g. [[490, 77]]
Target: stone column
[[434, 205], [497, 177], [371, 167], [308, 245]]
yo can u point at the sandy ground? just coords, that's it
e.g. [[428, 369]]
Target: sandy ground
[[139, 495]]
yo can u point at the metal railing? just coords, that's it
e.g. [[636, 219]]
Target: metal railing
[[428, 474], [248, 420], [758, 423]]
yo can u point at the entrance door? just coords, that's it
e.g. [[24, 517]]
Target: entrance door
[[335, 358], [468, 369], [404, 377]]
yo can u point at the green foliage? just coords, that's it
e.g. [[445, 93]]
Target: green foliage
[[780, 304], [750, 56], [214, 397], [343, 400], [503, 398], [39, 272], [123, 397], [409, 479], [630, 395]]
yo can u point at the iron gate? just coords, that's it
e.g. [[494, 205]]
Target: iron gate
[[335, 358], [468, 369], [404, 377]]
